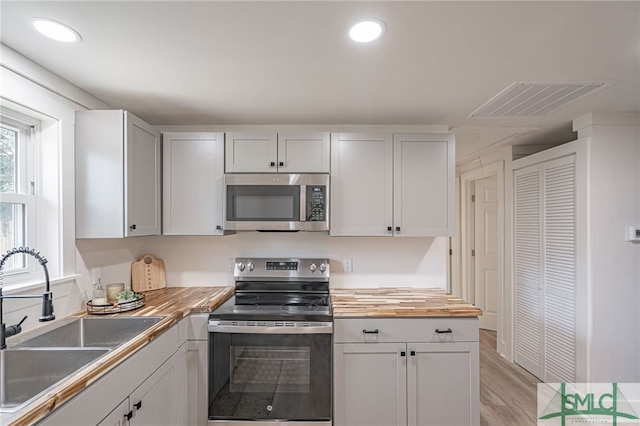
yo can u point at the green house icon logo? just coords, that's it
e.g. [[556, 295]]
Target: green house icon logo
[[610, 405]]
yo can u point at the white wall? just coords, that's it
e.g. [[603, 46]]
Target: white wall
[[614, 263], [208, 260]]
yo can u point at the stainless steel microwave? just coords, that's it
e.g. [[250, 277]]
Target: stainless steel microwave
[[276, 202]]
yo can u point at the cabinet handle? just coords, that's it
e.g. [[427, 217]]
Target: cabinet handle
[[365, 331], [403, 353], [448, 330], [413, 353], [132, 227], [397, 229], [281, 164], [138, 405], [389, 229], [129, 415], [272, 164]]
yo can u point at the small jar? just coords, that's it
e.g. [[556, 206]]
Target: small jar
[[113, 290]]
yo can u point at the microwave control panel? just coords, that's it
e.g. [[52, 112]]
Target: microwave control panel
[[316, 203]]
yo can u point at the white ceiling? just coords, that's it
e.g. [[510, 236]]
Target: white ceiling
[[236, 62]]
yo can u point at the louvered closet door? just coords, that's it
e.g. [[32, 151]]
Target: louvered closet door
[[559, 259], [528, 269]]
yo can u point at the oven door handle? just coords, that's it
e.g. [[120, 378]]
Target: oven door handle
[[319, 328]]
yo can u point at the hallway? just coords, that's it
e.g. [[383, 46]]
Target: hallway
[[507, 391]]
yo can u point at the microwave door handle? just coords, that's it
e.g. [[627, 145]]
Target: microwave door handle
[[303, 203]]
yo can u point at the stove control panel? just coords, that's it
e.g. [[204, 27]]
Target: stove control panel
[[289, 269]]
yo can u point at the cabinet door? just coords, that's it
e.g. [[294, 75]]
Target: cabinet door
[[303, 152], [370, 384], [197, 376], [424, 203], [443, 384], [251, 152], [142, 178], [154, 402], [361, 184], [193, 170], [117, 417]]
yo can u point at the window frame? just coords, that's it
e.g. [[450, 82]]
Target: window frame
[[25, 193]]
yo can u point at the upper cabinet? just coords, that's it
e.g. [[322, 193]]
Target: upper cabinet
[[392, 185], [193, 171], [266, 152], [117, 175]]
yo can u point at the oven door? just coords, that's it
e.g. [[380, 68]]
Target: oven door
[[266, 373]]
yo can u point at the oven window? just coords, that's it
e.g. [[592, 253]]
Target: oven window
[[269, 369], [269, 376], [263, 203]]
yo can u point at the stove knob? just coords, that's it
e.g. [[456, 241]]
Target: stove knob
[[241, 266], [322, 267], [313, 267], [250, 266]]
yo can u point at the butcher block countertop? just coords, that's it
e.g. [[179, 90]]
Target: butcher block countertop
[[399, 302], [173, 303]]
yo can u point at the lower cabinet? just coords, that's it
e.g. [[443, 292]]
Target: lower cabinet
[[155, 402], [143, 390], [406, 372]]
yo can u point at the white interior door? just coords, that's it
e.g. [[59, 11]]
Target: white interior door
[[486, 250]]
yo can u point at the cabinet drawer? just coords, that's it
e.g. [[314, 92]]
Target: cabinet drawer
[[441, 329]]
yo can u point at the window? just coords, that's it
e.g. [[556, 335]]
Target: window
[[17, 188]]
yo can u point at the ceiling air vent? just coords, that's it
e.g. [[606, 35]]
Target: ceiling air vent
[[535, 99]]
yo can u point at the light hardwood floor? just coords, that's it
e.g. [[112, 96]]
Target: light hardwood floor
[[507, 391]]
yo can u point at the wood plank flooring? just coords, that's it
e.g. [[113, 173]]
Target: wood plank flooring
[[507, 391]]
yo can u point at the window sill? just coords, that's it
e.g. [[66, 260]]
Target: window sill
[[19, 288]]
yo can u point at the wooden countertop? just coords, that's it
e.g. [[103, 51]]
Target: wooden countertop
[[399, 302], [173, 303]]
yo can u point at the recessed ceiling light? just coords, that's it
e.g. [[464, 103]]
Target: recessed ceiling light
[[366, 30], [55, 30]]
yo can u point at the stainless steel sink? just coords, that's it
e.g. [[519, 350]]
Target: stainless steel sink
[[88, 332], [27, 373]]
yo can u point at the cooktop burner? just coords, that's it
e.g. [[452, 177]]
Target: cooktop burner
[[274, 289]]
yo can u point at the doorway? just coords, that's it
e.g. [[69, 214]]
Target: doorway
[[482, 246], [485, 250]]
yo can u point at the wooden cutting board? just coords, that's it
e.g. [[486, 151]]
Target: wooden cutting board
[[148, 274]]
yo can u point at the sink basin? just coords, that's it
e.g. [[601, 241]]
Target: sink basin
[[26, 373], [87, 332]]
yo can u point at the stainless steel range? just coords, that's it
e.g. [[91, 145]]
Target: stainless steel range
[[270, 356]]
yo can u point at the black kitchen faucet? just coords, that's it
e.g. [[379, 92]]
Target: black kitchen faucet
[[47, 296]]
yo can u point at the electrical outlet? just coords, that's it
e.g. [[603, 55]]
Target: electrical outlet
[[347, 265]]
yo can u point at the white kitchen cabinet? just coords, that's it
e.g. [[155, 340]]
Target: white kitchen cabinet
[[153, 403], [392, 185], [405, 372], [117, 175], [116, 418], [193, 172], [148, 376], [270, 152], [196, 367]]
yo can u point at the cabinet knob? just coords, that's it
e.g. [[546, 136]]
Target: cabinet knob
[[138, 405], [272, 164], [218, 228], [413, 353], [129, 415], [397, 229], [403, 353], [132, 227], [389, 229], [281, 164]]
